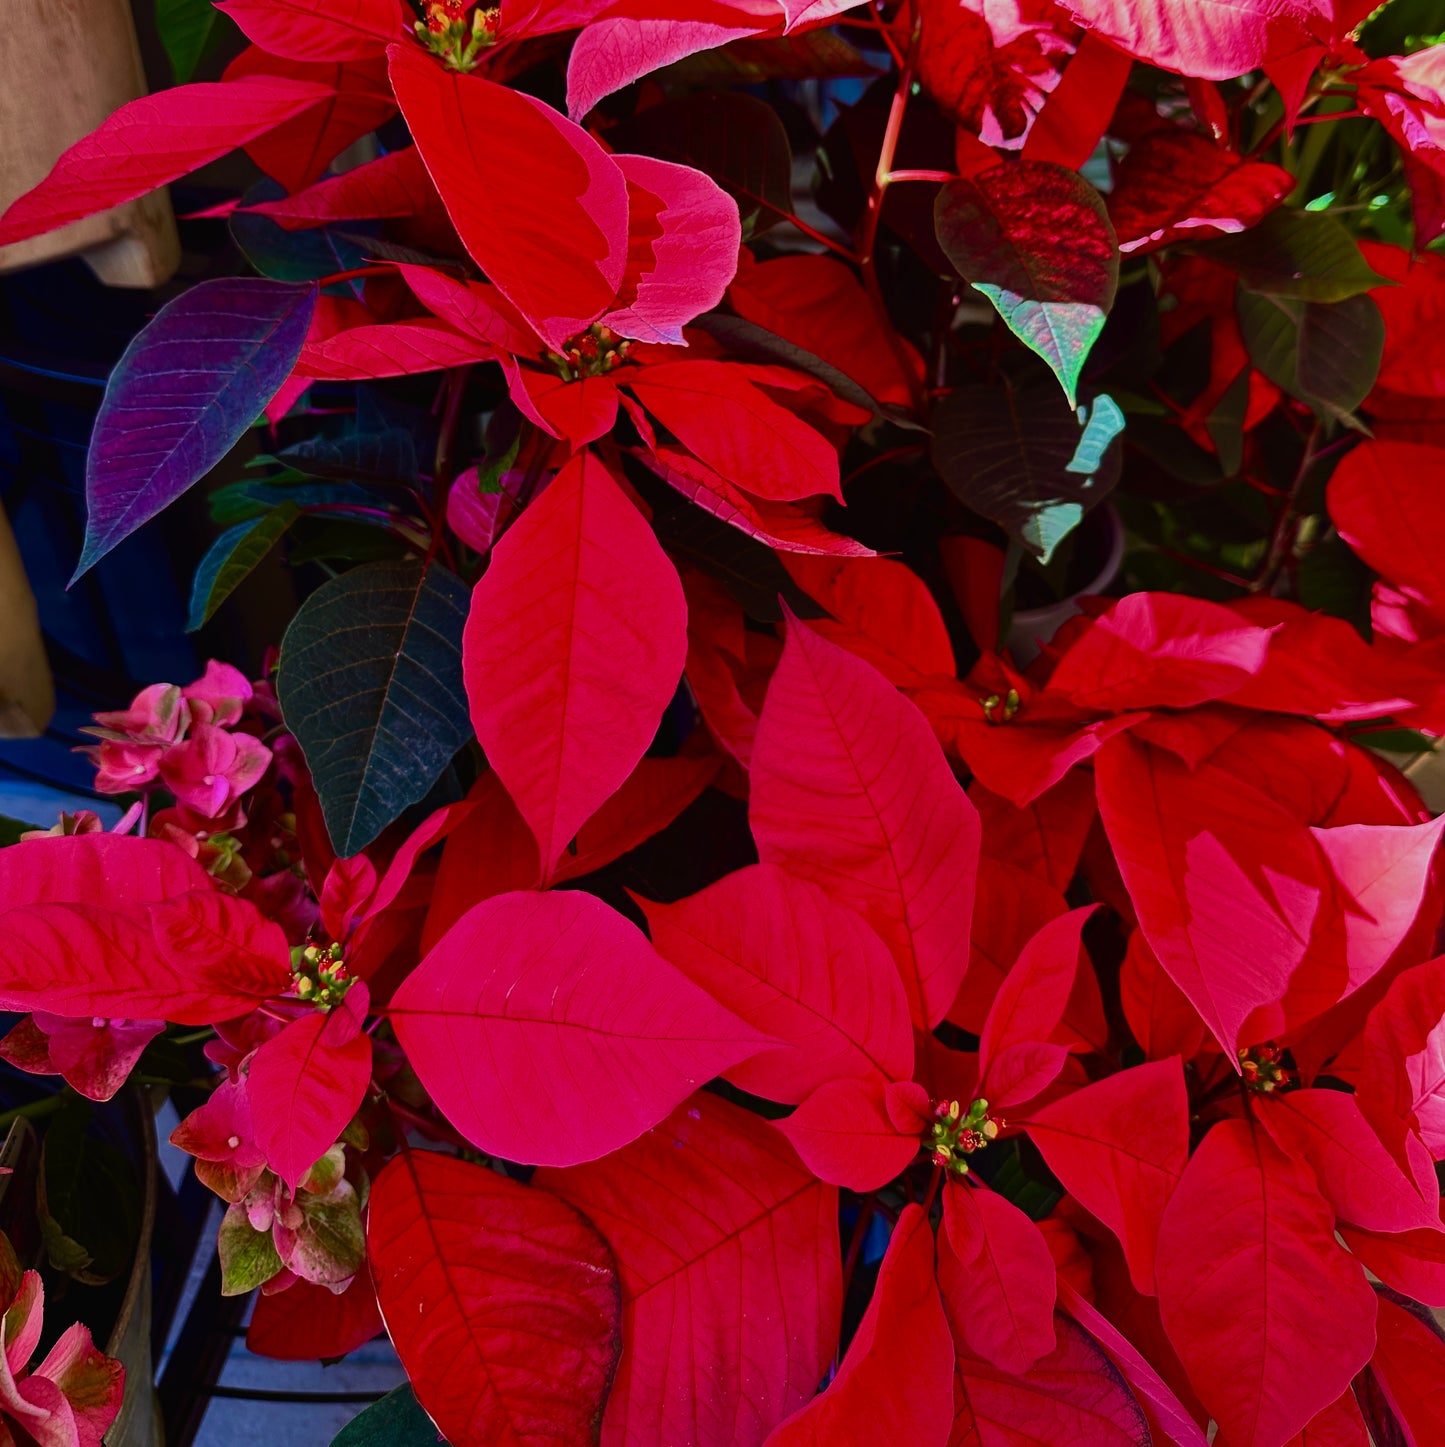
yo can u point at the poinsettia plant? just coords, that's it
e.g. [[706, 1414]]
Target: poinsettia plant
[[732, 918]]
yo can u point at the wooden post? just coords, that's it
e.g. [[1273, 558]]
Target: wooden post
[[65, 65], [27, 695]]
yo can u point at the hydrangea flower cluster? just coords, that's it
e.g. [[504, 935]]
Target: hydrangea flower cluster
[[187, 741]]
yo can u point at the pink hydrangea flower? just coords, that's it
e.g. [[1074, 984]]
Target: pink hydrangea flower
[[122, 768], [219, 696], [93, 1056], [219, 1134], [157, 715], [212, 768]]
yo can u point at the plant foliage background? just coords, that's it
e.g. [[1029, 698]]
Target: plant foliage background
[[676, 937]]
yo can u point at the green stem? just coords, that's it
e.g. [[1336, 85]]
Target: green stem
[[32, 1110]]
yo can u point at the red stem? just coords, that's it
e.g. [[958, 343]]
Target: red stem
[[855, 1241], [906, 450], [814, 234], [933, 1186], [1223, 574], [456, 387], [882, 176], [1355, 115], [1286, 524], [355, 273], [884, 30]]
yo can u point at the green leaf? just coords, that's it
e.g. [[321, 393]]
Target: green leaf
[[185, 29], [370, 683], [738, 140], [1327, 354], [89, 1199], [1035, 239], [1303, 254], [231, 558], [12, 829], [395, 1421], [330, 1236], [248, 1257], [1016, 453]]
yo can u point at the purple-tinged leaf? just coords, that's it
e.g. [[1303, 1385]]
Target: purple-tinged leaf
[[186, 390]]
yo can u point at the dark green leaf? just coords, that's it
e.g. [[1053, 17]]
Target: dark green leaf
[[1303, 254], [804, 55], [89, 1200], [752, 343], [736, 139], [185, 29], [388, 456], [342, 540], [165, 1059], [1327, 354], [12, 829], [1035, 239], [1396, 741], [293, 255], [750, 571], [1031, 1190], [231, 557], [379, 248], [1225, 424], [239, 501], [371, 685], [1332, 579], [1403, 26], [1165, 444], [395, 1421], [1016, 453]]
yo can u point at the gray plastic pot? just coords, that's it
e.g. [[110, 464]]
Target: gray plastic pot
[[1033, 627]]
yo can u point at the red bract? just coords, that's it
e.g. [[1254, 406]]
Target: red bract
[[1175, 186], [997, 1279], [576, 1040], [305, 1084], [570, 274], [732, 1243], [894, 1382], [548, 633], [502, 1301], [776, 950], [1120, 1147], [1248, 1271], [850, 790], [1217, 43], [154, 140], [94, 1056], [991, 67]]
